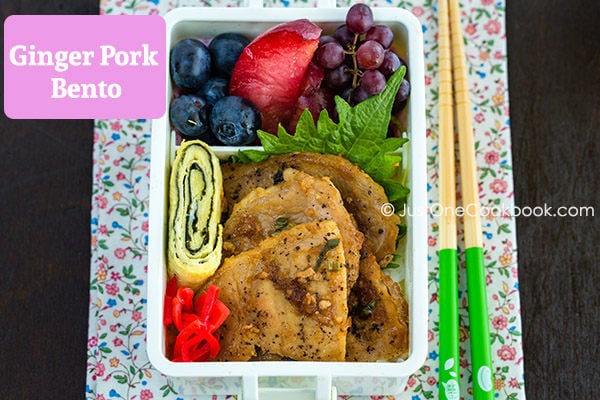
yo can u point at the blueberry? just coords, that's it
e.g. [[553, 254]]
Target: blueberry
[[190, 64], [215, 89], [189, 114], [234, 121], [225, 49]]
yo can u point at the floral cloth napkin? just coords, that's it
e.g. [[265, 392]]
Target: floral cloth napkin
[[117, 364]]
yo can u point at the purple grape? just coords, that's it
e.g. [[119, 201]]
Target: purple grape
[[359, 95], [344, 36], [372, 81], [382, 34], [330, 55], [370, 55], [401, 96], [346, 94], [359, 18], [338, 78], [391, 62], [326, 39]]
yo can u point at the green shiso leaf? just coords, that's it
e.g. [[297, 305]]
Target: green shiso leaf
[[360, 136]]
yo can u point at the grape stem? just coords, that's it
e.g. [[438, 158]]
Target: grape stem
[[354, 63], [356, 73]]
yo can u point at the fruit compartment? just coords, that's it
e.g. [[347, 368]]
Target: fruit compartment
[[251, 380]]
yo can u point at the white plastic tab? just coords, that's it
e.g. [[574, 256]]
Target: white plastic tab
[[324, 388], [326, 4], [320, 389], [255, 4], [249, 387]]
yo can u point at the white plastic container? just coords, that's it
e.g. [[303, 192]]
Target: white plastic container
[[290, 379]]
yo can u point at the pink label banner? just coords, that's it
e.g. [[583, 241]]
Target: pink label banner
[[84, 66]]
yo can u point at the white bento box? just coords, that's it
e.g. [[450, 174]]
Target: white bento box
[[293, 379]]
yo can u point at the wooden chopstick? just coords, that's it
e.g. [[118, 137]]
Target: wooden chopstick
[[447, 180], [476, 283], [464, 119]]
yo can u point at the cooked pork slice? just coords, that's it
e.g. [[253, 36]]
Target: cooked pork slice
[[362, 196], [379, 314], [287, 297], [299, 198]]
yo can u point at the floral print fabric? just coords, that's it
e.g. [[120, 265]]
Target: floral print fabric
[[117, 364]]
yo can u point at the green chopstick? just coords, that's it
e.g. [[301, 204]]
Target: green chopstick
[[481, 355], [449, 376], [449, 361]]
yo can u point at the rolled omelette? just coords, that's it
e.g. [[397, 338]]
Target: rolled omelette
[[195, 235]]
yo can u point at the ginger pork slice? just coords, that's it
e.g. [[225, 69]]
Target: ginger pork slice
[[379, 313], [363, 197], [297, 199], [287, 297]]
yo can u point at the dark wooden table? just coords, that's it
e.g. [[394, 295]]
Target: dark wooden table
[[554, 82]]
